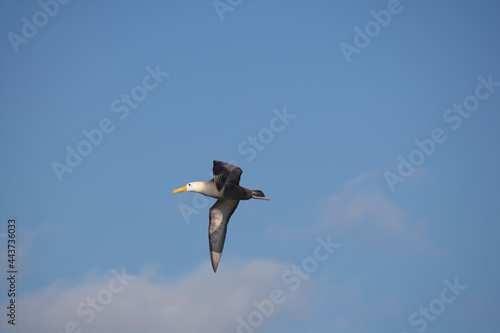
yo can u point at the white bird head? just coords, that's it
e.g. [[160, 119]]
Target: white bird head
[[191, 187]]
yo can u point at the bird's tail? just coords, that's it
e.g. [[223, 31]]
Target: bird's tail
[[256, 194]]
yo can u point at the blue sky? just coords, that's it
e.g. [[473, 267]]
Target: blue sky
[[381, 164]]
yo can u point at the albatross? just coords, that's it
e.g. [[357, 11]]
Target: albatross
[[225, 187]]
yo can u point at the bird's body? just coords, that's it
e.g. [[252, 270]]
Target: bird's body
[[225, 186]]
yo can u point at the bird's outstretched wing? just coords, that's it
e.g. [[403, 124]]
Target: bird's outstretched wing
[[220, 213], [225, 172]]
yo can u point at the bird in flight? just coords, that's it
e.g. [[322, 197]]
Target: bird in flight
[[225, 187]]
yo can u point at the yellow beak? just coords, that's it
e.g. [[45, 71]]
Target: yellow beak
[[182, 189]]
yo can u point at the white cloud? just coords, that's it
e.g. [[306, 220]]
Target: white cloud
[[361, 214], [199, 301]]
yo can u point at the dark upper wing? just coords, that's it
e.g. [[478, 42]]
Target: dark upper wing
[[220, 213], [224, 172]]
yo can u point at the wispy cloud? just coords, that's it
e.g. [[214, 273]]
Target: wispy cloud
[[196, 302], [362, 214]]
